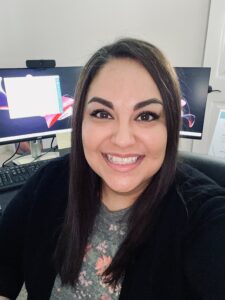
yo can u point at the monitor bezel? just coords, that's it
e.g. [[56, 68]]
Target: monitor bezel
[[195, 135]]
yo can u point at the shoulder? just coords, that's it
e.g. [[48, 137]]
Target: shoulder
[[31, 222], [204, 201], [52, 176], [48, 185], [57, 169], [205, 236], [196, 189]]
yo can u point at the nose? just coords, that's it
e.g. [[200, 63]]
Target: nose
[[123, 135]]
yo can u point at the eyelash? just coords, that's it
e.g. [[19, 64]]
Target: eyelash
[[107, 115], [100, 111], [147, 114]]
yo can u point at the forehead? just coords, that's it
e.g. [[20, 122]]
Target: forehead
[[123, 77]]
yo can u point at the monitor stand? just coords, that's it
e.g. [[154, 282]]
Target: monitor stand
[[36, 154]]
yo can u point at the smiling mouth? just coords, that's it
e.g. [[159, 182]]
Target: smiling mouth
[[122, 160]]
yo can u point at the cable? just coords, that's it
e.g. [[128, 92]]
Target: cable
[[210, 90], [49, 150], [17, 148], [43, 154], [52, 142]]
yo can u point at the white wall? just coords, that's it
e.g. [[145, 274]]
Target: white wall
[[69, 31]]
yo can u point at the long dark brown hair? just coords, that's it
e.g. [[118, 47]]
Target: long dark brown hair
[[85, 184]]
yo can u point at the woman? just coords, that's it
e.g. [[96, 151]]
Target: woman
[[121, 219]]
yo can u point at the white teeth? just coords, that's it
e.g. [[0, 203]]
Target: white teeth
[[122, 160]]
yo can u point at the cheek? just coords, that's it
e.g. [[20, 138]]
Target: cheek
[[92, 136], [162, 138], [88, 142], [87, 137], [156, 142], [161, 141]]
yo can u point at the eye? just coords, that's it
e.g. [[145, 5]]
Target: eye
[[147, 116], [101, 114]]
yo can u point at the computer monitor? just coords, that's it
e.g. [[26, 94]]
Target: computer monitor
[[194, 83], [36, 103]]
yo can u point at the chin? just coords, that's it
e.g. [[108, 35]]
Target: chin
[[127, 189]]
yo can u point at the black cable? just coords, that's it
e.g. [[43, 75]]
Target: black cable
[[43, 154], [52, 142], [210, 90], [17, 148]]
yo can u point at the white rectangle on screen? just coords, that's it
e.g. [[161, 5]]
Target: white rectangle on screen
[[32, 96]]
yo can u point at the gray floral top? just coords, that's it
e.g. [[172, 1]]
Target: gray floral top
[[109, 231]]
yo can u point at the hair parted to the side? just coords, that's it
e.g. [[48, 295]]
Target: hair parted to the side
[[85, 184]]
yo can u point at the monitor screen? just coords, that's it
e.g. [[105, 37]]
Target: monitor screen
[[194, 83], [36, 103]]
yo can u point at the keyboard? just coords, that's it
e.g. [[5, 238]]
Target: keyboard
[[15, 176]]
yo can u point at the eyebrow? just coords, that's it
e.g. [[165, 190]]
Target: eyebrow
[[101, 101], [136, 106]]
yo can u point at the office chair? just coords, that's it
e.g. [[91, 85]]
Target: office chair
[[212, 167]]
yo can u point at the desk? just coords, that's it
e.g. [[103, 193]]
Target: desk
[[6, 197]]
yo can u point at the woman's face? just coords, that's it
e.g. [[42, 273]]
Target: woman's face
[[124, 133]]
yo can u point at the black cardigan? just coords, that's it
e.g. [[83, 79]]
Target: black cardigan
[[184, 257]]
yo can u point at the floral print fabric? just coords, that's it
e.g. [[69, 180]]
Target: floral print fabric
[[109, 231]]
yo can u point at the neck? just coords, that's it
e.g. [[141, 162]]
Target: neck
[[116, 201]]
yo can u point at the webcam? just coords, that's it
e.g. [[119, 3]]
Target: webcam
[[41, 63]]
